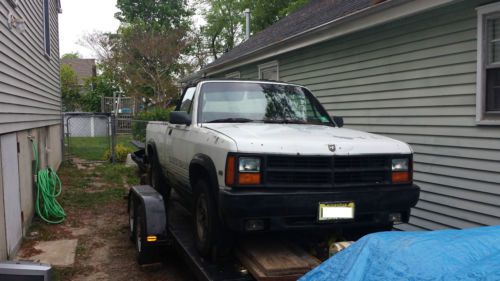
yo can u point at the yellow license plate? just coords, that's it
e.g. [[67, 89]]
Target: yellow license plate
[[336, 211]]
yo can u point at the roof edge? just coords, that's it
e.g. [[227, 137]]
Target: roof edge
[[359, 20]]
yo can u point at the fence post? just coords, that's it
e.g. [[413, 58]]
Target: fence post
[[113, 137]]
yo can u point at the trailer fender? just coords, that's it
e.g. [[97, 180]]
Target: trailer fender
[[153, 207]]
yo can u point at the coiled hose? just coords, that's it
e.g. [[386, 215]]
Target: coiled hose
[[49, 187]]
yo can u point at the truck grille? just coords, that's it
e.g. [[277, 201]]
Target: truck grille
[[327, 172]]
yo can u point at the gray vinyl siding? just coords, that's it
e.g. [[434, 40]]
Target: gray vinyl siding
[[29, 81], [414, 80]]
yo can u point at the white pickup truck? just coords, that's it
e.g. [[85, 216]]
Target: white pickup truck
[[258, 156]]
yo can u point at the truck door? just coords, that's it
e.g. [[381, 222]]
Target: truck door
[[178, 134]]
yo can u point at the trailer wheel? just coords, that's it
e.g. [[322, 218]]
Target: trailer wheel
[[131, 218], [144, 256]]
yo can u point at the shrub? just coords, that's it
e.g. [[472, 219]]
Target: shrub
[[121, 152], [141, 121]]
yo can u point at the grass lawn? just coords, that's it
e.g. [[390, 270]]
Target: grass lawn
[[94, 148]]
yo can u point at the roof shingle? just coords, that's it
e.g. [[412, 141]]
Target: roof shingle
[[314, 14]]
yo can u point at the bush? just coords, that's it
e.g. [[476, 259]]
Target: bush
[[141, 121], [121, 152]]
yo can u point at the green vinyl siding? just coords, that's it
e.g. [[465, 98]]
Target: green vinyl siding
[[414, 80]]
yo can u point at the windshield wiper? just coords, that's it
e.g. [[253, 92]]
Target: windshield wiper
[[284, 121], [231, 120]]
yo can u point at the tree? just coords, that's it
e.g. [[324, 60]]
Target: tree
[[156, 14], [225, 20], [143, 62], [265, 13], [149, 60], [74, 55], [95, 89], [224, 25], [70, 91]]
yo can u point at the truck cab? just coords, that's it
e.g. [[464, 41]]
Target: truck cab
[[258, 156]]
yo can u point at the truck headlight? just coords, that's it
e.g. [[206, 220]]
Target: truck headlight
[[400, 164], [249, 165], [401, 170], [242, 171]]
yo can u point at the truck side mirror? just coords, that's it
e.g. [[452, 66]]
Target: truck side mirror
[[180, 118], [339, 121]]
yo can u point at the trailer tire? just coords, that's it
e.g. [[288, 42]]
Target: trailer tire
[[144, 255], [131, 218]]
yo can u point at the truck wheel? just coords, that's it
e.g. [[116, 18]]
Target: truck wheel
[[156, 178], [205, 219]]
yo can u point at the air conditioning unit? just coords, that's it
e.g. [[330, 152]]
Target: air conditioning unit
[[24, 271]]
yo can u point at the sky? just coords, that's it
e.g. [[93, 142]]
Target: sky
[[80, 17]]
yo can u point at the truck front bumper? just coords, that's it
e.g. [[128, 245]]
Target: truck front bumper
[[283, 210]]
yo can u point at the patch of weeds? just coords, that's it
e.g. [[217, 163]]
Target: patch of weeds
[[81, 250], [63, 273], [115, 174], [84, 200]]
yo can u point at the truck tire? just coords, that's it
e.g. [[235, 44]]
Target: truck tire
[[212, 240], [157, 179]]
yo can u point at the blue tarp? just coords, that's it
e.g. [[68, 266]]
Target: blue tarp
[[471, 254]]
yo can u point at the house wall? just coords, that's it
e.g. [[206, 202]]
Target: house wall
[[414, 80], [30, 107], [29, 81]]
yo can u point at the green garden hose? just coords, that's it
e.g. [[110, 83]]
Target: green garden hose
[[49, 187]]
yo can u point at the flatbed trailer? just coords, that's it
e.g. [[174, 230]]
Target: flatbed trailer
[[169, 226], [177, 235]]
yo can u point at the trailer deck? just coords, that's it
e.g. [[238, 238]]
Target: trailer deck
[[181, 230]]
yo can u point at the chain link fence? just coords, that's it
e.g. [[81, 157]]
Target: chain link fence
[[89, 137], [101, 137]]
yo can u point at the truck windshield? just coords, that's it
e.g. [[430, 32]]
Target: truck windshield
[[240, 102]]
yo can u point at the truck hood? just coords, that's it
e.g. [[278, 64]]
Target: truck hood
[[307, 139]]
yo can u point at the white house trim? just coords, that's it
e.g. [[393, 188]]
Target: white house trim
[[482, 12]]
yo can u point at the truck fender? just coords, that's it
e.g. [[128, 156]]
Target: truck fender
[[206, 163], [153, 207]]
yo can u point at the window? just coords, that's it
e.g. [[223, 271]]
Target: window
[[235, 74], [488, 65], [226, 102], [46, 27], [269, 71], [187, 100]]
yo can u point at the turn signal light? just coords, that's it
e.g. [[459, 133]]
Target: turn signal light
[[400, 177], [151, 238], [249, 178], [230, 169]]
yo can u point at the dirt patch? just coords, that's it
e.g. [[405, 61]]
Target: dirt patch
[[100, 223]]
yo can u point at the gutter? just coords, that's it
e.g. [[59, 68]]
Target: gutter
[[324, 32]]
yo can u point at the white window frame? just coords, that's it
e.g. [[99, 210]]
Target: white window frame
[[482, 118], [268, 65], [235, 74]]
